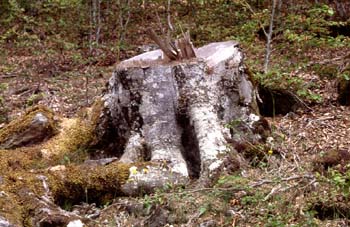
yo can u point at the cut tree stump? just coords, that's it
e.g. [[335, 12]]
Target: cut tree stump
[[174, 114], [159, 123]]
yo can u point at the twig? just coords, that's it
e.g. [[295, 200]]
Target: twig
[[278, 189], [254, 185], [261, 183], [296, 159], [170, 26], [192, 217], [301, 101], [231, 189], [306, 176], [272, 192], [123, 25], [8, 76]]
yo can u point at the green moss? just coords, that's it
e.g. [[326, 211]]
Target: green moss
[[19, 125], [19, 159], [21, 167], [78, 137], [21, 188], [88, 184], [96, 111], [10, 208]]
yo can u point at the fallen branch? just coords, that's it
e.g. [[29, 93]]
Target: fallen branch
[[301, 101], [306, 176], [277, 189]]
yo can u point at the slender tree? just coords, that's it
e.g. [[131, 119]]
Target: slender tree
[[269, 36]]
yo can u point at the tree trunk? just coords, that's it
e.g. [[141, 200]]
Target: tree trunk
[[174, 114]]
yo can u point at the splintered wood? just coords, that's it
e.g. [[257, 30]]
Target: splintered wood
[[180, 49]]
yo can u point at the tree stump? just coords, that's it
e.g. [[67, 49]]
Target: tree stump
[[159, 123], [174, 114]]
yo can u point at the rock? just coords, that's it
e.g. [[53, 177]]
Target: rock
[[35, 126]]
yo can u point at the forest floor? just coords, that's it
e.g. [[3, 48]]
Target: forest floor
[[289, 186]]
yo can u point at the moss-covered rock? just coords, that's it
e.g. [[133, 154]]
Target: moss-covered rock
[[35, 126]]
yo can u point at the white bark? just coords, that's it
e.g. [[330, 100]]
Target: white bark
[[269, 37], [178, 111]]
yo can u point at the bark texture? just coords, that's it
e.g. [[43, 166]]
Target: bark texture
[[174, 113]]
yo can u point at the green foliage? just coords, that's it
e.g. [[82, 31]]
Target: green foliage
[[63, 4], [312, 28], [329, 71], [275, 79], [232, 180], [149, 201], [203, 209], [252, 199], [345, 75], [34, 99], [341, 181]]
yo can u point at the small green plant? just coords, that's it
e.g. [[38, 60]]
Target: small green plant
[[67, 205], [340, 181], [274, 221], [149, 201], [203, 209], [346, 76], [252, 199], [65, 160], [232, 180], [34, 99]]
